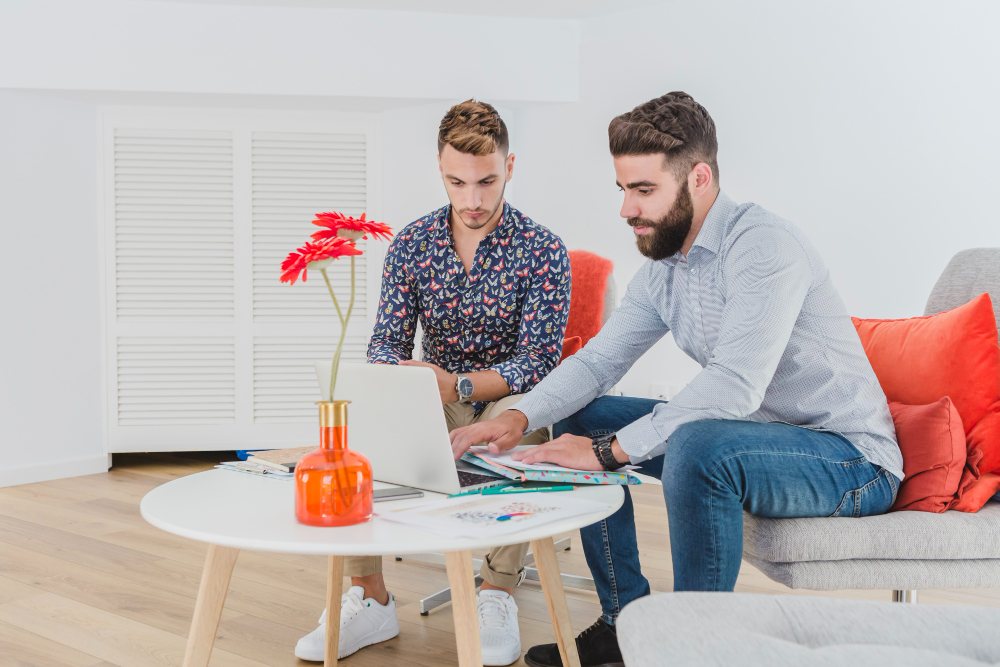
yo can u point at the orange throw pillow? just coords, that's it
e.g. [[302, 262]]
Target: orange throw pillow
[[932, 440], [571, 346], [586, 300], [956, 354]]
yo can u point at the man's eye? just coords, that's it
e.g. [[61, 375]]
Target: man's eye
[[489, 182], [644, 192]]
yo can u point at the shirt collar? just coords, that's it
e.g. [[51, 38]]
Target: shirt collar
[[712, 231], [508, 226]]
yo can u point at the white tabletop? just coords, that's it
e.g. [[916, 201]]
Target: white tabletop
[[242, 511]]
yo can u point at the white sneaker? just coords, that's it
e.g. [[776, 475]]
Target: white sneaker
[[499, 634], [363, 622]]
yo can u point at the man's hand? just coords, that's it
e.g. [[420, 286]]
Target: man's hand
[[500, 433], [569, 451], [446, 381]]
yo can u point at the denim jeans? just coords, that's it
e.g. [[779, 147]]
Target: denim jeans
[[712, 472]]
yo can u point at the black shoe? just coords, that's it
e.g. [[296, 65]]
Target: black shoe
[[597, 646]]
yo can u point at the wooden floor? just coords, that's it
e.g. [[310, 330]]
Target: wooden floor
[[86, 582]]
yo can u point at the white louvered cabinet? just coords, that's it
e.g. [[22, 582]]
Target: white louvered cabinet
[[205, 349]]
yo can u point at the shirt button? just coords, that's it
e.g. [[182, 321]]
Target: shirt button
[[694, 270], [705, 347], [697, 310]]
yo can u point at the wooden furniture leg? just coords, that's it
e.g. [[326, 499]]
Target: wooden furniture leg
[[555, 598], [461, 578], [334, 589], [208, 609]]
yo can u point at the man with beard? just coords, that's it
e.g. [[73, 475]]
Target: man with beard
[[786, 418], [491, 289]]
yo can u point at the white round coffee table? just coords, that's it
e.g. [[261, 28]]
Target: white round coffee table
[[232, 511]]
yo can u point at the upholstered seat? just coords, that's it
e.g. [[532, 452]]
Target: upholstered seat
[[726, 629], [901, 551]]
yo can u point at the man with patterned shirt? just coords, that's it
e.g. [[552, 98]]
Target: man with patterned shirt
[[786, 418], [491, 289]]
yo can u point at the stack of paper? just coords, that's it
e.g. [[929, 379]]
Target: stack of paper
[[255, 469]]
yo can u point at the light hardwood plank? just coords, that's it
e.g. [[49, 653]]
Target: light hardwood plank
[[26, 649]]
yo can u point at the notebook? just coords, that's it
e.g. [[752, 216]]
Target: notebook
[[544, 472]]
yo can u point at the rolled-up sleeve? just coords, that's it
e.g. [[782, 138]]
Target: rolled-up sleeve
[[544, 313], [766, 277], [396, 317]]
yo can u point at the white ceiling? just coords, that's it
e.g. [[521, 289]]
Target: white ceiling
[[552, 9]]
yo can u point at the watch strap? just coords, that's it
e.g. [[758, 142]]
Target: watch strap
[[602, 450]]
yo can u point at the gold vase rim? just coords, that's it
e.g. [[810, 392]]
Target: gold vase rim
[[341, 402]]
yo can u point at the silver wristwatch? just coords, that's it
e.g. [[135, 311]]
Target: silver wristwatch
[[463, 387]]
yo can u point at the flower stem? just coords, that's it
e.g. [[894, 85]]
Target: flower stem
[[343, 327]]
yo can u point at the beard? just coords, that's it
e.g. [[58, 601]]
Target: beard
[[669, 232], [483, 220]]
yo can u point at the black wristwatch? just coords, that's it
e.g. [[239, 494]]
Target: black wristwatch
[[602, 450]]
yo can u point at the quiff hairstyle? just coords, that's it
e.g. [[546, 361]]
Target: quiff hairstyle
[[674, 125], [473, 127]]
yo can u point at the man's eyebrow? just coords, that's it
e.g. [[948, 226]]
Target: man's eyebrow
[[640, 184], [484, 178]]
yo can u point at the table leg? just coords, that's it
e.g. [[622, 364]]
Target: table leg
[[555, 598], [334, 589], [463, 606], [208, 609]]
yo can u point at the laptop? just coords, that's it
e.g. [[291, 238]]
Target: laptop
[[395, 419]]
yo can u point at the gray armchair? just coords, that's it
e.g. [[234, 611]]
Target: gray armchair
[[900, 551]]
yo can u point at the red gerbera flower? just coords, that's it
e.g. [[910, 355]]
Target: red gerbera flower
[[353, 228], [297, 261]]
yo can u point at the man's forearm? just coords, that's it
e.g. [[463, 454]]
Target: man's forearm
[[488, 386]]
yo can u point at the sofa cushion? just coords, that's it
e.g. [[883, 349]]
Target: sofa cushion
[[932, 440], [724, 629], [955, 354], [898, 535]]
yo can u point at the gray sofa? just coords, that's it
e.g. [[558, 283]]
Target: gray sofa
[[727, 629], [900, 551]]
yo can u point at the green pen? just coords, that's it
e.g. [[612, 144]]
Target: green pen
[[521, 489]]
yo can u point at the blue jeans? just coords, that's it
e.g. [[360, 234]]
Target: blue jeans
[[712, 471]]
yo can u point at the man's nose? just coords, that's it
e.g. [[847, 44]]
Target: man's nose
[[629, 209], [475, 198]]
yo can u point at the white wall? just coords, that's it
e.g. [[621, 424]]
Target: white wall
[[124, 45], [870, 125], [50, 332]]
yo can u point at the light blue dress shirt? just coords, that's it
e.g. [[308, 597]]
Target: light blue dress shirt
[[752, 303]]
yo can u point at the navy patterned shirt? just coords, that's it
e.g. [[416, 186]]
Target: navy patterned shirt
[[508, 314]]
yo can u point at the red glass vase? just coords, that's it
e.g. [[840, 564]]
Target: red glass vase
[[333, 485]]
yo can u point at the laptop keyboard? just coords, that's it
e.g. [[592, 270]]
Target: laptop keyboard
[[471, 478]]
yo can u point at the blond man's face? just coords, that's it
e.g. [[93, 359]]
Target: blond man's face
[[475, 184]]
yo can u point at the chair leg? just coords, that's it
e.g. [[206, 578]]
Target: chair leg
[[909, 597]]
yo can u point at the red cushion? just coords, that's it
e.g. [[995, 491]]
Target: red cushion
[[956, 354], [978, 493], [932, 440], [586, 304], [571, 346]]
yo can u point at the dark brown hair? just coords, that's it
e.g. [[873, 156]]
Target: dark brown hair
[[473, 127], [674, 125]]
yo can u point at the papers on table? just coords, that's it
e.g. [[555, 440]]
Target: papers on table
[[255, 469], [505, 459], [495, 515]]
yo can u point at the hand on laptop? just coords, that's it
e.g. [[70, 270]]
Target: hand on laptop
[[500, 433]]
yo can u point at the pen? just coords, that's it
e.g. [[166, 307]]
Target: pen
[[521, 489], [465, 493]]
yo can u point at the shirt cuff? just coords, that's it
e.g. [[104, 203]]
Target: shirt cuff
[[513, 374], [641, 441], [534, 409]]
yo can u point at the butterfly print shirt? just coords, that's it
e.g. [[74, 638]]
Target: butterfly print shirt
[[508, 314]]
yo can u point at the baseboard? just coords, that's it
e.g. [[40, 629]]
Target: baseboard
[[44, 472]]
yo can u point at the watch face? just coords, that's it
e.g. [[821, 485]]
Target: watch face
[[465, 387]]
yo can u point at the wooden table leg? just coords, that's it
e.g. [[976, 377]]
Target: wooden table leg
[[463, 605], [208, 609], [334, 589], [555, 598]]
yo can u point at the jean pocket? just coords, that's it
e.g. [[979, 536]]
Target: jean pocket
[[875, 497]]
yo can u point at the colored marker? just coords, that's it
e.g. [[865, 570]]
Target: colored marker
[[521, 489], [466, 493]]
